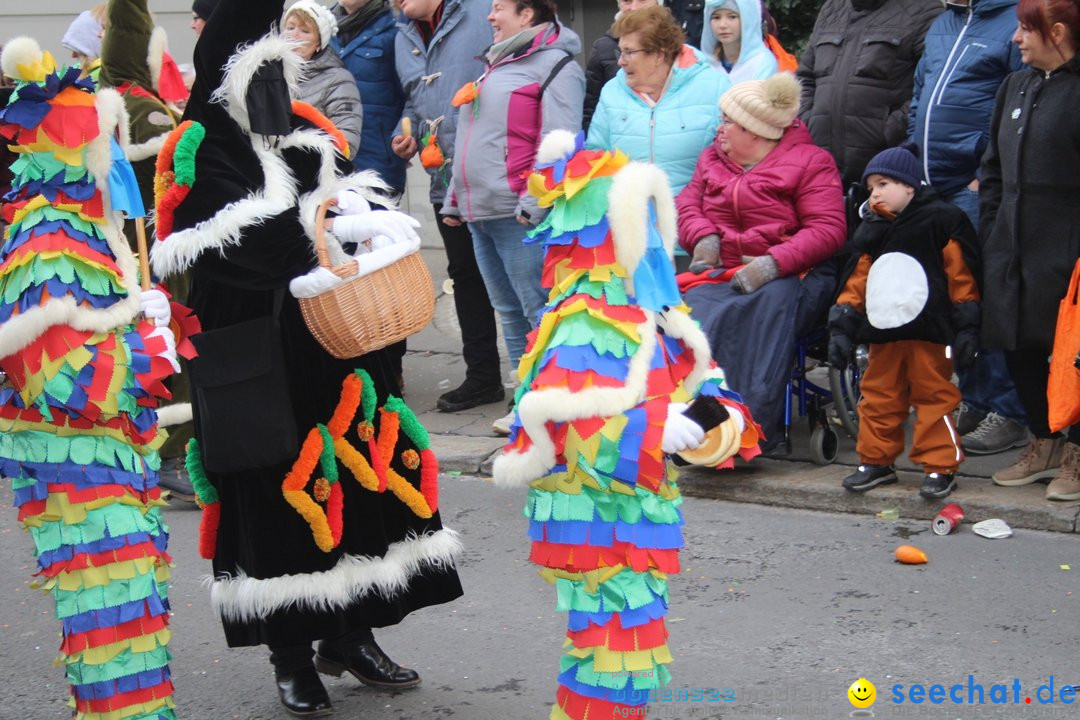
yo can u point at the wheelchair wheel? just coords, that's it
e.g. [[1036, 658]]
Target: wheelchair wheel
[[845, 389], [824, 445]]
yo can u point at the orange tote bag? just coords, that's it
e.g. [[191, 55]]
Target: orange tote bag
[[1063, 390]]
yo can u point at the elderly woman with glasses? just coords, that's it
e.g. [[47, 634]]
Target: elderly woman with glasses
[[661, 107], [765, 206]]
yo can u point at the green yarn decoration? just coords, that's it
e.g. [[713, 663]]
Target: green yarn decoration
[[184, 154], [367, 395], [193, 462], [327, 461], [410, 425]]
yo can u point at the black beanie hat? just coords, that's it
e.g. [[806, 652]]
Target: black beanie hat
[[899, 163], [203, 8]]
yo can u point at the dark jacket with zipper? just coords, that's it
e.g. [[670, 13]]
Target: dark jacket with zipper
[[857, 73], [603, 65], [1028, 205], [968, 52]]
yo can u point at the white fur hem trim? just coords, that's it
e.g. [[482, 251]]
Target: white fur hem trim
[[171, 415], [241, 598]]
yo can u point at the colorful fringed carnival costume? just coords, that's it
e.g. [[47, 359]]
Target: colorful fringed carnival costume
[[78, 429], [342, 531], [614, 351]]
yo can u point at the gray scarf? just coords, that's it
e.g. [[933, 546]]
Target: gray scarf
[[349, 26], [508, 47]]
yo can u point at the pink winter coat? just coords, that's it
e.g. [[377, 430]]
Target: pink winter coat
[[789, 205]]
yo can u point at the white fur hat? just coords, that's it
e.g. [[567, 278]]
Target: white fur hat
[[319, 14]]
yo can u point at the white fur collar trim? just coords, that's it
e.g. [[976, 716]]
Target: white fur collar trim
[[242, 66], [240, 598], [628, 213], [148, 149], [538, 407], [180, 250]]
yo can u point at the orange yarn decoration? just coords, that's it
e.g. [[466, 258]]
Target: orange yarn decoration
[[374, 474], [316, 118]]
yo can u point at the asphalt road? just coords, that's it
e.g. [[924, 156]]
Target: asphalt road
[[777, 611]]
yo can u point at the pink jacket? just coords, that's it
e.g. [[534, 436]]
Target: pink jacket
[[789, 205]]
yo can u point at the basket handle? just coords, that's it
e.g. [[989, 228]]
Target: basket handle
[[345, 270]]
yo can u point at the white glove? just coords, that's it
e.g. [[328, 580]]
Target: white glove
[[396, 225], [155, 306], [351, 202], [170, 346], [680, 432]]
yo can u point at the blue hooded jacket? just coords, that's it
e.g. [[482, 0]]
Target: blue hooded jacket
[[370, 58], [968, 52], [756, 61]]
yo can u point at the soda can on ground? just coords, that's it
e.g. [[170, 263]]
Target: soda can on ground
[[948, 519]]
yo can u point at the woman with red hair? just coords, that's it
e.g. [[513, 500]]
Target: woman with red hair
[[1030, 227]]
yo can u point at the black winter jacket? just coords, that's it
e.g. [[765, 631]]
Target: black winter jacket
[[857, 74], [1029, 213], [603, 65]]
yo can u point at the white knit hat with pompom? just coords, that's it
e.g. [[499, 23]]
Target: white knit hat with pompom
[[319, 14], [764, 107]]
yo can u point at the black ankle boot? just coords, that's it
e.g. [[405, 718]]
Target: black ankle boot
[[302, 693], [366, 662]]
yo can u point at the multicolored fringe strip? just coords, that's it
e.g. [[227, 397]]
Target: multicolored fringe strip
[[604, 522], [317, 496], [78, 432]]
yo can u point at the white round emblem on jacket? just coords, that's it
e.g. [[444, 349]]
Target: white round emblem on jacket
[[896, 290]]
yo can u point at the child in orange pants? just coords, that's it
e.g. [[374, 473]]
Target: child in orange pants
[[912, 296]]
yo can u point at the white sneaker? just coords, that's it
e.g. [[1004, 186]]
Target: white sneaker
[[502, 425]]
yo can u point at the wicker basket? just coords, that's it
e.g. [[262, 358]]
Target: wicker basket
[[371, 311]]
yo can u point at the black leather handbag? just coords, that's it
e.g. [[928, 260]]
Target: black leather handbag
[[240, 395]]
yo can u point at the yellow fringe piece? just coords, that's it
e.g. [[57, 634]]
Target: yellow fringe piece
[[104, 575], [107, 653]]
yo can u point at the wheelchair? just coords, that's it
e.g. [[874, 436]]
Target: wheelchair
[[828, 410]]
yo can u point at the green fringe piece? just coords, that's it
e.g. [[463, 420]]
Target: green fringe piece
[[207, 493], [587, 207], [184, 154], [109, 521], [327, 459], [367, 395], [627, 589], [410, 425], [115, 593], [35, 446], [124, 664], [40, 270], [592, 504], [49, 213]]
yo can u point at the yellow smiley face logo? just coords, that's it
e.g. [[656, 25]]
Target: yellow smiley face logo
[[862, 693]]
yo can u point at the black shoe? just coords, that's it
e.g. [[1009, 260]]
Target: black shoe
[[937, 485], [302, 693], [367, 663], [174, 478], [470, 394], [870, 476]]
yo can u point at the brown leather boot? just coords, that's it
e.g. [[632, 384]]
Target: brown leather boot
[[1040, 460], [1066, 486]]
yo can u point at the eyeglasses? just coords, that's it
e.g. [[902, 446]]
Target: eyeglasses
[[621, 54]]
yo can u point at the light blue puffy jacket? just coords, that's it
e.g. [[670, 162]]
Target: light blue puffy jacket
[[670, 134]]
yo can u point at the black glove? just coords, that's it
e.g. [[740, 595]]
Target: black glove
[[706, 254], [965, 346], [844, 324], [839, 350]]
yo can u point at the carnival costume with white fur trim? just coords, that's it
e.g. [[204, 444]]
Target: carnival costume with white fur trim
[[614, 349], [346, 534], [78, 431]]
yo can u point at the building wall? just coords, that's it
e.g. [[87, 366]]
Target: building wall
[[46, 21]]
